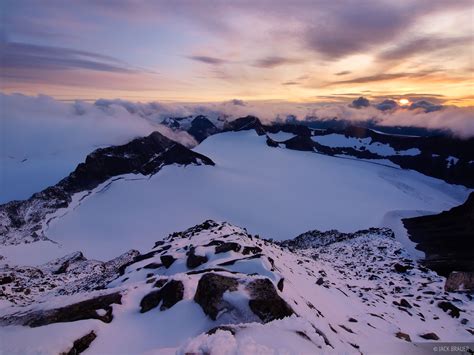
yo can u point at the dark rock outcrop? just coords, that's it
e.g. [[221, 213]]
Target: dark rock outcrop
[[251, 250], [271, 142], [201, 128], [244, 124], [209, 293], [316, 238], [167, 260], [265, 301], [460, 281], [303, 143], [81, 344], [401, 268], [452, 310], [193, 260], [404, 336], [78, 311], [170, 294], [447, 238], [230, 246], [429, 336]]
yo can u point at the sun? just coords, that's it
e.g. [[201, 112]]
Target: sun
[[403, 102]]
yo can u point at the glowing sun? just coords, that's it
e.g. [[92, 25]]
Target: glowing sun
[[403, 102]]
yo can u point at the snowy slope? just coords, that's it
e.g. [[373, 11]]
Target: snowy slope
[[276, 193], [360, 293]]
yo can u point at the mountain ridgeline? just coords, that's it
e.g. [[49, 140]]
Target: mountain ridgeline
[[22, 220]]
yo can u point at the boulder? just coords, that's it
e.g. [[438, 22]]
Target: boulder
[[251, 250], [81, 344], [170, 294], [430, 336], [78, 311], [167, 260], [229, 246], [209, 293], [452, 310], [460, 281], [401, 268], [265, 301], [404, 336], [194, 260]]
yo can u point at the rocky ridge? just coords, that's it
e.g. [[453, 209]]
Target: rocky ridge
[[346, 293], [23, 221]]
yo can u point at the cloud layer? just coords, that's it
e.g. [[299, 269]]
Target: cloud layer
[[42, 140], [46, 138]]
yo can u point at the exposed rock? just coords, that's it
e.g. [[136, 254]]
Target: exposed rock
[[316, 238], [60, 265], [6, 280], [460, 281], [403, 336], [265, 301], [429, 336], [167, 260], [153, 266], [302, 143], [251, 250], [401, 268], [230, 246], [170, 294], [405, 303], [226, 328], [271, 142], [452, 310], [21, 221], [447, 239], [280, 284], [209, 293], [78, 311], [244, 124], [201, 128], [194, 260], [160, 283], [81, 344]]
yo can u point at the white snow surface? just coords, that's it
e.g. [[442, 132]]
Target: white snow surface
[[276, 193]]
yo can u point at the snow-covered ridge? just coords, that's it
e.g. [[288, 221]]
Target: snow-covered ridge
[[23, 221], [216, 288]]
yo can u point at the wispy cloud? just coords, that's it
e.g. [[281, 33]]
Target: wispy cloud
[[20, 56], [275, 61], [423, 45], [384, 77], [207, 59]]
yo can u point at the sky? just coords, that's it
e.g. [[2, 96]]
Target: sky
[[210, 51]]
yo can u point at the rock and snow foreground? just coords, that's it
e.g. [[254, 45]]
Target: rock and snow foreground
[[217, 289]]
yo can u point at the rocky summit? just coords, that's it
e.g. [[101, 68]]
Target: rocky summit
[[319, 292]]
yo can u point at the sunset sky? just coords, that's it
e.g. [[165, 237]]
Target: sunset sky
[[204, 51]]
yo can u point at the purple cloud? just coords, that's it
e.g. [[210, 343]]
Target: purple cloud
[[360, 102], [207, 59], [20, 56], [275, 61]]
